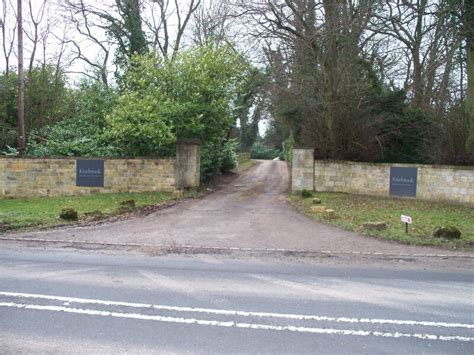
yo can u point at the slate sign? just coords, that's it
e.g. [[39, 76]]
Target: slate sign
[[403, 181], [90, 172]]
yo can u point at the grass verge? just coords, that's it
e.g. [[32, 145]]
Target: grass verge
[[244, 163], [352, 211], [44, 211], [244, 166]]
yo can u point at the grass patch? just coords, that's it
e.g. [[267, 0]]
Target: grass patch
[[244, 163], [244, 166], [353, 211], [44, 211]]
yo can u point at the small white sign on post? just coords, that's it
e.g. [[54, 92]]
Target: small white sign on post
[[406, 219]]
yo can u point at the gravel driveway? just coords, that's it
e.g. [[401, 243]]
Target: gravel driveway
[[252, 211]]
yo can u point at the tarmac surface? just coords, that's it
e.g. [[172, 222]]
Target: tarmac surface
[[114, 302]]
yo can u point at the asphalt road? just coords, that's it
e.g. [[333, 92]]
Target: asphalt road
[[110, 302]]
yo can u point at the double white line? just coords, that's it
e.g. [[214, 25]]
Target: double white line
[[68, 301]]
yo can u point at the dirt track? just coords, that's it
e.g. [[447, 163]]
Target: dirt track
[[253, 211]]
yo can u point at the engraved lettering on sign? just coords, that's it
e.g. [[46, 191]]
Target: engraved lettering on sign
[[403, 181], [90, 172]]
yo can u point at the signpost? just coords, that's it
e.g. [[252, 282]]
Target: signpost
[[403, 181], [90, 172], [407, 220]]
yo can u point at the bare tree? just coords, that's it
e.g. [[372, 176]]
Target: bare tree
[[319, 45], [8, 32], [36, 34], [93, 33], [35, 20], [168, 23], [212, 22], [424, 31], [8, 40]]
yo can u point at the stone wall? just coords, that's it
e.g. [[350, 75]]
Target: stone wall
[[366, 179], [57, 176], [188, 163], [446, 183], [302, 169]]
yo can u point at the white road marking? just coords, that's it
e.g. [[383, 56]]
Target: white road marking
[[70, 300], [233, 324]]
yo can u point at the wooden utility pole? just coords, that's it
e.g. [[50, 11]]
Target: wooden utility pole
[[21, 83]]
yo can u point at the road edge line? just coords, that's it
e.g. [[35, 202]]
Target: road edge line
[[176, 247]]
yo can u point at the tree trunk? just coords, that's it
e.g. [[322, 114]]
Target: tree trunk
[[418, 95], [443, 93], [469, 105], [417, 80], [330, 68]]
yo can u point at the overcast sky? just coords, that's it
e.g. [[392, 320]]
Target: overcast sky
[[55, 26]]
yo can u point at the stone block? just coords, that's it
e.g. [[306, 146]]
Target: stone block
[[318, 208], [447, 232], [316, 201], [330, 213]]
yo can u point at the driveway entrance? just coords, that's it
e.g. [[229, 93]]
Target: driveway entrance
[[253, 211]]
